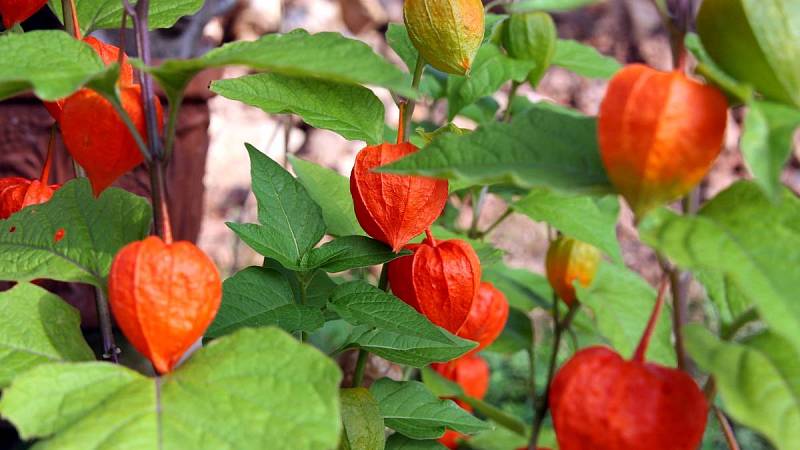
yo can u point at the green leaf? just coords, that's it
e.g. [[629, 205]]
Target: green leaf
[[531, 151], [524, 289], [399, 442], [259, 297], [490, 70], [350, 252], [584, 60], [51, 63], [726, 296], [363, 423], [331, 191], [483, 111], [94, 230], [398, 40], [587, 219], [548, 5], [99, 14], [37, 327], [622, 302], [412, 410], [352, 111], [762, 257], [767, 142], [393, 330], [240, 391], [328, 56], [758, 380], [290, 222], [738, 91], [500, 439]]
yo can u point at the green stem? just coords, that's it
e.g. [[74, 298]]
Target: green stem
[[478, 201], [497, 415], [511, 94], [497, 222], [70, 16], [411, 104], [172, 125], [110, 349], [361, 364], [541, 408], [727, 430]]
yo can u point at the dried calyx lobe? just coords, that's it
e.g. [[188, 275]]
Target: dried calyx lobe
[[394, 208], [440, 279]]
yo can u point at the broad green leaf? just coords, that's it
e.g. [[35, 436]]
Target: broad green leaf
[[393, 330], [94, 230], [587, 219], [352, 111], [762, 257], [531, 151], [499, 439], [331, 191], [484, 110], [548, 5], [290, 222], [758, 380], [622, 302], [329, 56], [439, 385], [727, 297], [363, 423], [517, 334], [350, 252], [524, 289], [398, 40], [99, 14], [309, 288], [399, 442], [259, 297], [584, 60], [767, 142], [240, 391], [490, 70], [37, 327], [756, 41], [735, 89], [412, 410], [51, 63]]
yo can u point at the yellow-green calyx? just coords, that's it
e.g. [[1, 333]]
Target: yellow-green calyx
[[447, 33]]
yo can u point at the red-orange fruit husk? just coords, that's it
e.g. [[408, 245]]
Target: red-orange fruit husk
[[487, 317], [569, 260], [163, 297], [659, 134], [471, 372], [110, 55], [394, 208], [97, 138], [600, 401], [439, 279], [18, 11], [17, 193]]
